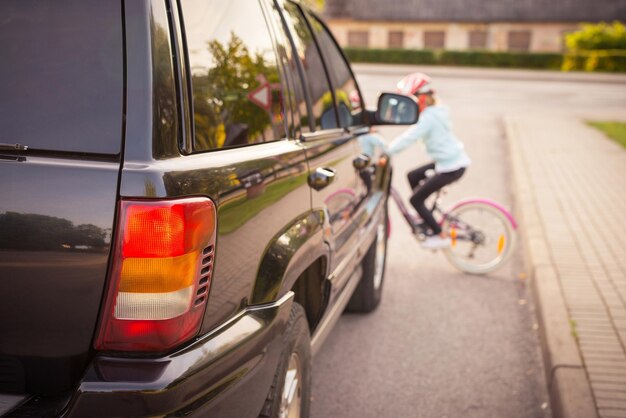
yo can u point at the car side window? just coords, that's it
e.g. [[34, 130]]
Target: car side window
[[347, 95], [291, 65], [324, 116], [237, 95]]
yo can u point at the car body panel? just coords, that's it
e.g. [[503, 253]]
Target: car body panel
[[62, 100], [334, 150], [55, 234], [239, 358], [248, 184], [153, 127], [288, 255], [248, 203]]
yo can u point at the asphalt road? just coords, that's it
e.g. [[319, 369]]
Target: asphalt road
[[442, 343]]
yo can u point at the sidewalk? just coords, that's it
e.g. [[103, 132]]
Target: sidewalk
[[571, 200]]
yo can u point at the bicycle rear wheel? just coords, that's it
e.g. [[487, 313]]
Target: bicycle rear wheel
[[483, 236]]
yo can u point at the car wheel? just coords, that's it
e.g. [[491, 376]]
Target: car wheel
[[368, 293], [290, 394]]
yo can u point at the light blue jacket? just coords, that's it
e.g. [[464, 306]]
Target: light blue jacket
[[369, 142], [434, 128]]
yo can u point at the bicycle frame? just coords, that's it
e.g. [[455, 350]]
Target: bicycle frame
[[445, 214], [405, 211], [474, 237]]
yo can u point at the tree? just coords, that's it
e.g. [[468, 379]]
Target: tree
[[220, 97]]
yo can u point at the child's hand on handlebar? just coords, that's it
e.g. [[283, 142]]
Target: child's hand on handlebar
[[383, 160]]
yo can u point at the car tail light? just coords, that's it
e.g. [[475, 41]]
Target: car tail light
[[160, 275]]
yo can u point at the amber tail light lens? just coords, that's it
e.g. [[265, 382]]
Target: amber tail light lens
[[160, 274]]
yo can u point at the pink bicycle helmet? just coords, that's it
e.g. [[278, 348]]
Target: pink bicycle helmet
[[415, 84]]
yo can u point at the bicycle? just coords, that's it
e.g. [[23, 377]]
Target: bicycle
[[482, 232]]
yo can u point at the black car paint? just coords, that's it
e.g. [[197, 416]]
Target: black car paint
[[257, 262], [62, 98], [55, 241], [239, 358]]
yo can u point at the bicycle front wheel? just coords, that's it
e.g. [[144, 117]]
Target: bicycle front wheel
[[482, 236]]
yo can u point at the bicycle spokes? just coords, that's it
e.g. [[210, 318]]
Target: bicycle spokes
[[481, 237]]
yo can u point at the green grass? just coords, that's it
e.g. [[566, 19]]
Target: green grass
[[614, 130]]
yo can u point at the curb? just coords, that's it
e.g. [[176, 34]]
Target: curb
[[568, 386]]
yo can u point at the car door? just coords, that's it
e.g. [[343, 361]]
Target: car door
[[330, 148], [371, 181]]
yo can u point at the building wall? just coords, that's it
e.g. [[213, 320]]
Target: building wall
[[544, 37]]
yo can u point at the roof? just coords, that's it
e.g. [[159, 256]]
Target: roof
[[477, 10]]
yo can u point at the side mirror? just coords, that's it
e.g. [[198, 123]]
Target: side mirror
[[396, 109]]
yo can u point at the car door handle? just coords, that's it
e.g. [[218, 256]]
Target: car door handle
[[321, 177], [361, 161]]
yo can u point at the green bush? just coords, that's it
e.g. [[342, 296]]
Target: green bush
[[605, 60], [599, 47], [501, 59], [598, 60], [599, 36], [461, 58], [391, 56], [573, 62]]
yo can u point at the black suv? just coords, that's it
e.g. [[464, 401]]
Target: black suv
[[184, 207]]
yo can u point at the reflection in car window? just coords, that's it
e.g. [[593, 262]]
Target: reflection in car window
[[319, 91], [349, 103], [235, 81], [289, 61]]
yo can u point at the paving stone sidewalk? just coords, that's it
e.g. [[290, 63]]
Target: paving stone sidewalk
[[571, 197]]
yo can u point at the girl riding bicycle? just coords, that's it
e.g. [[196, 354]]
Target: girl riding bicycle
[[434, 128]]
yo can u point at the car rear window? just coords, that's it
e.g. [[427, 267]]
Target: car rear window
[[62, 75]]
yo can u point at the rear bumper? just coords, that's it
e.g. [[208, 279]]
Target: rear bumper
[[226, 373]]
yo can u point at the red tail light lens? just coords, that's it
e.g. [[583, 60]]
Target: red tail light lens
[[160, 275], [154, 231]]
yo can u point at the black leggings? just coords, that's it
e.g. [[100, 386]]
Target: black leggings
[[432, 184]]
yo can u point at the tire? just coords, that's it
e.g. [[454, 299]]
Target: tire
[[368, 293], [497, 237], [293, 376]]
